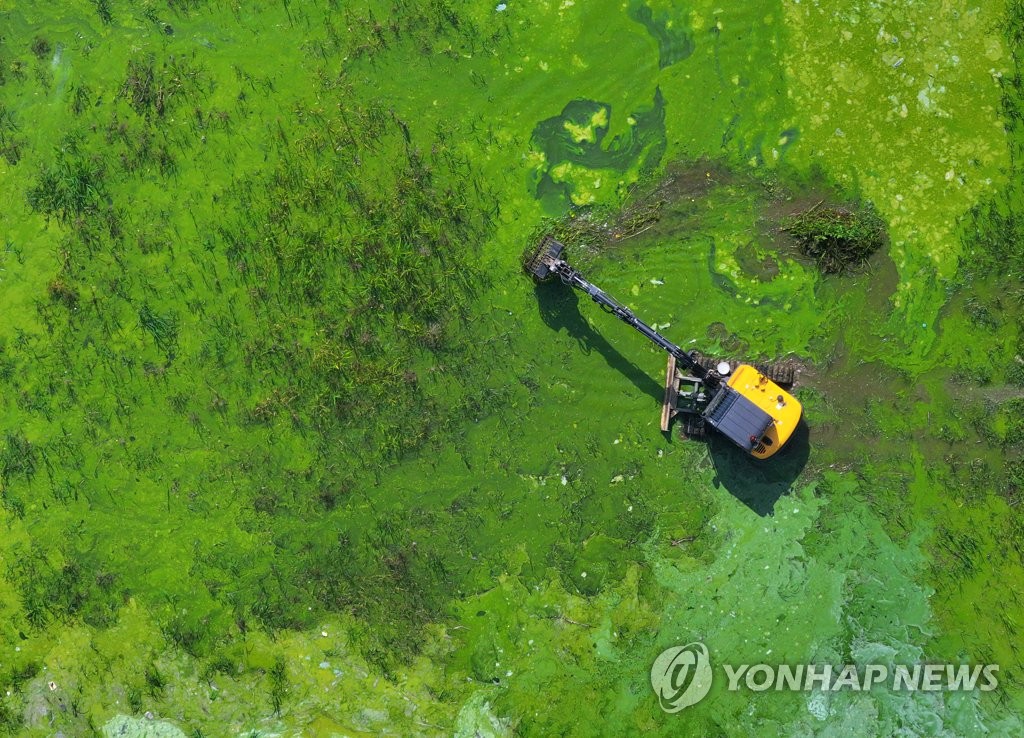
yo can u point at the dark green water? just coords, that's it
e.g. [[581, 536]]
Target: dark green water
[[289, 448]]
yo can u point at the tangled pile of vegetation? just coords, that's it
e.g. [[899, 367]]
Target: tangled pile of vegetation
[[837, 238], [592, 227]]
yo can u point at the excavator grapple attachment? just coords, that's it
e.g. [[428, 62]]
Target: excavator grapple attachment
[[538, 263]]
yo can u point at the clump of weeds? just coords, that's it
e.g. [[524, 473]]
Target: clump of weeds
[[837, 238], [163, 328], [71, 186], [18, 457], [41, 47], [11, 143], [63, 293]]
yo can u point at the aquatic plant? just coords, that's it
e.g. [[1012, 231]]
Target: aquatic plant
[[278, 678], [18, 457], [103, 10], [40, 47], [17, 69], [60, 291], [593, 227], [81, 97], [71, 186], [838, 238], [11, 143], [142, 89], [163, 328]]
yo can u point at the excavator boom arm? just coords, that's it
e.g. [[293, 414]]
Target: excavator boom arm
[[571, 276]]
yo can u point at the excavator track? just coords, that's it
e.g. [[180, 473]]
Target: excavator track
[[693, 427], [783, 373]]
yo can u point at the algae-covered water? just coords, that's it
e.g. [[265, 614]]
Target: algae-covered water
[[288, 446]]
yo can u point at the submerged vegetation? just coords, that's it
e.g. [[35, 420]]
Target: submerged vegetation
[[71, 187]]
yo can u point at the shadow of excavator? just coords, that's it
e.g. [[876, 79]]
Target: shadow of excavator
[[560, 309], [759, 483]]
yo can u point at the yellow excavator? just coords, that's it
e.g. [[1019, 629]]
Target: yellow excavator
[[745, 403]]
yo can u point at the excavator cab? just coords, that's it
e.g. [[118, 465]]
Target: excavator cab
[[748, 408]]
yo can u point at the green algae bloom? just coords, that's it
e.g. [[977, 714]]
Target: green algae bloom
[[287, 446]]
